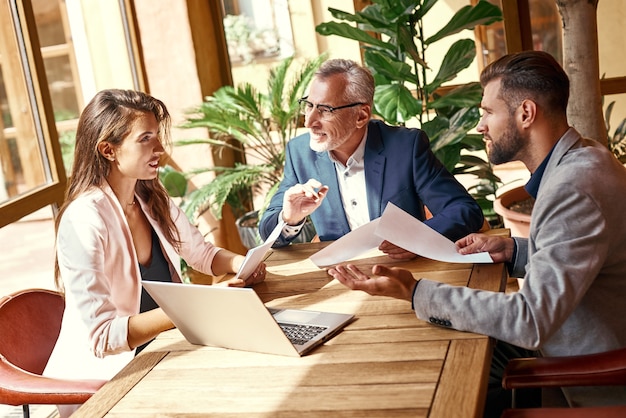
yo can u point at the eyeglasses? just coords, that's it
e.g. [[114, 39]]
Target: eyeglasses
[[325, 111]]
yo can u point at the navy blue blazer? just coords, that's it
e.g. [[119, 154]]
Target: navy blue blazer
[[399, 167]]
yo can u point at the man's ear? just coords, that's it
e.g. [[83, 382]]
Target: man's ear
[[364, 115], [106, 150], [528, 112]]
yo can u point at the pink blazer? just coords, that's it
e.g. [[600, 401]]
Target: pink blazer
[[102, 280]]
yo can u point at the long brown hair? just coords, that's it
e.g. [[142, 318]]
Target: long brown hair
[[109, 117]]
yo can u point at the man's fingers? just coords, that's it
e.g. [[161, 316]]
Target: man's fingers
[[314, 184], [381, 270]]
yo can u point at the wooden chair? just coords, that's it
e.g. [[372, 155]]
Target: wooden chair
[[600, 369], [30, 322]]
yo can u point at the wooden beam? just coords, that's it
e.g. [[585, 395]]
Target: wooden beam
[[614, 85], [517, 28]]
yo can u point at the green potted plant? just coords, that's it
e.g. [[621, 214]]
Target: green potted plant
[[395, 50], [260, 123], [617, 141]]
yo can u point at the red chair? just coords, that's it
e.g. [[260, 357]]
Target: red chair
[[600, 369], [30, 322]]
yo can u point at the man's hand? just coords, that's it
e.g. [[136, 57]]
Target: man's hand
[[301, 200], [395, 252], [394, 282], [499, 248]]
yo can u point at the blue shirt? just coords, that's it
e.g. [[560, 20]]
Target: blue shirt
[[532, 187]]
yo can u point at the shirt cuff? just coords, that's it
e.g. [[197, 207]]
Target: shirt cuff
[[290, 231], [413, 297], [511, 264]]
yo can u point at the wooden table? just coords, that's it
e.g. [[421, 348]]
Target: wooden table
[[386, 363]]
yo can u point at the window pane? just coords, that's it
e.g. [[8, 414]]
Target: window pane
[[545, 23], [62, 91], [49, 23], [21, 140], [61, 71], [545, 26], [257, 30]]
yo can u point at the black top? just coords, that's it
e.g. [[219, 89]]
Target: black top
[[158, 270]]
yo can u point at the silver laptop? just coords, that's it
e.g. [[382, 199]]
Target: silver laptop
[[236, 318]]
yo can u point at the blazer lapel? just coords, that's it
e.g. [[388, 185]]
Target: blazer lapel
[[567, 141], [328, 176], [374, 171]]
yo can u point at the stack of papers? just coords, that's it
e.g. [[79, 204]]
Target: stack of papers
[[401, 229]]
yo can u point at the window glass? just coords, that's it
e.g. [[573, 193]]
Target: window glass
[[24, 166], [258, 34], [257, 30], [546, 32], [61, 72], [545, 25]]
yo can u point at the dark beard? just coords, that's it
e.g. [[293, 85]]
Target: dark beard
[[507, 147]]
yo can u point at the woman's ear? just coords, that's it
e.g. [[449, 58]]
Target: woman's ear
[[106, 150]]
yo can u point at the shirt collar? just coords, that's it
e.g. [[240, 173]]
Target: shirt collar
[[532, 187], [357, 156]]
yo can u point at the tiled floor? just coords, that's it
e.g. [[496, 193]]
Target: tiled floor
[[26, 253]]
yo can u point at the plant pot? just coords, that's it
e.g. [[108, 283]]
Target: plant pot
[[248, 227], [516, 221]]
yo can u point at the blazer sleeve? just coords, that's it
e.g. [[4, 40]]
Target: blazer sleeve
[[270, 219], [194, 249], [85, 253], [567, 255], [455, 212]]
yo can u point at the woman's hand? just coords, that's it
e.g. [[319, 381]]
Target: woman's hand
[[257, 276]]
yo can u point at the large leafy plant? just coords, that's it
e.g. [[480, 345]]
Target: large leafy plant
[[242, 118], [392, 34], [616, 141]]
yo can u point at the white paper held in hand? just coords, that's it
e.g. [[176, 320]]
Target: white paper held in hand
[[350, 245], [256, 255], [405, 231]]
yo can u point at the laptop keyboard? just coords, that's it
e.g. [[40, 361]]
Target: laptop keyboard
[[300, 334]]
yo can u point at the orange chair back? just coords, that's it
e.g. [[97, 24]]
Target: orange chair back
[[30, 322]]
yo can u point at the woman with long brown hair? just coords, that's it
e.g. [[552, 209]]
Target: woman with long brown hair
[[118, 227]]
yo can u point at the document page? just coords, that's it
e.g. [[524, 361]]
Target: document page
[[401, 229], [350, 245], [256, 255], [405, 231]]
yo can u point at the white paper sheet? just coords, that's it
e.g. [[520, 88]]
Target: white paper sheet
[[350, 245], [405, 231], [256, 255]]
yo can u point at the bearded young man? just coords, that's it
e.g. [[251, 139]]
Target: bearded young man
[[573, 263]]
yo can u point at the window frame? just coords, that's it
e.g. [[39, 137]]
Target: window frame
[[22, 18]]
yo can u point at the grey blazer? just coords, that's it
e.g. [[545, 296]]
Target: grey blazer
[[574, 264]]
